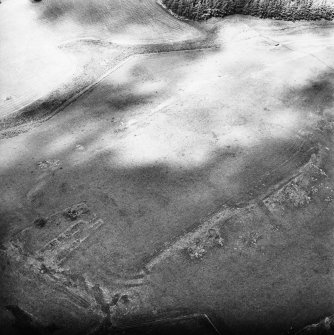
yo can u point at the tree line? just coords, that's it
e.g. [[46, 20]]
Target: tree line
[[290, 10]]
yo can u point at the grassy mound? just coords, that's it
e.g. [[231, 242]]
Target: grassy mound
[[289, 10]]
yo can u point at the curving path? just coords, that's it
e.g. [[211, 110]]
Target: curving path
[[33, 65]]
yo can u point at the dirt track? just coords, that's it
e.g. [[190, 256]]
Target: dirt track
[[34, 69], [206, 173]]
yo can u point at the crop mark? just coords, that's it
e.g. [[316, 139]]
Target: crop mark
[[76, 224], [272, 218], [198, 241], [186, 240], [46, 263], [59, 249], [74, 297]]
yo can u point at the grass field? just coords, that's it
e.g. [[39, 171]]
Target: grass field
[[192, 177], [31, 33], [130, 21]]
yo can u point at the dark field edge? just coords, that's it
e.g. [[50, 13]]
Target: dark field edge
[[178, 322]]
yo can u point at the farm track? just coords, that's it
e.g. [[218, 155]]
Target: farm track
[[45, 107], [36, 112], [146, 21]]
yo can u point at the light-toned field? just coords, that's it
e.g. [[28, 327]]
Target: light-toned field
[[165, 140], [118, 21], [33, 65]]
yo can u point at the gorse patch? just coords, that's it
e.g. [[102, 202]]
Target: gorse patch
[[289, 10]]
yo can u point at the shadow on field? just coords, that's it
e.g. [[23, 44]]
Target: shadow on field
[[72, 159], [316, 96], [144, 207], [115, 17], [88, 13]]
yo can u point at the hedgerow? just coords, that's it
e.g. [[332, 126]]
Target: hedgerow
[[289, 10]]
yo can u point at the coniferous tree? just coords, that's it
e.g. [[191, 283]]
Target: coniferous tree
[[279, 9], [255, 8], [199, 11], [174, 6]]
